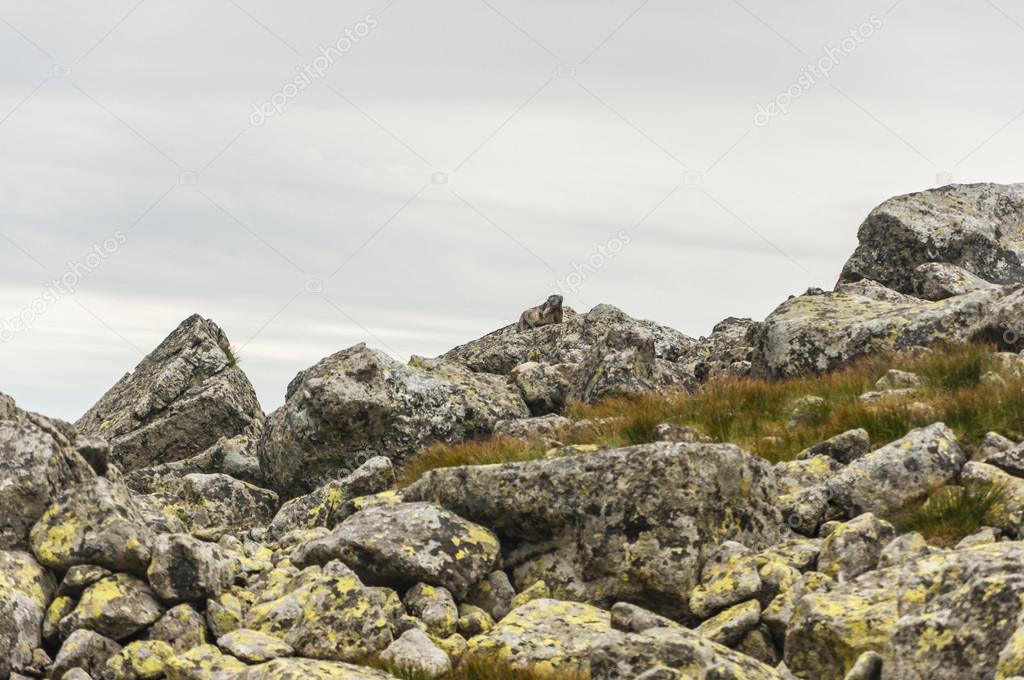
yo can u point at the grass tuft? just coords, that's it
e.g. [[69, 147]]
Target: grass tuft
[[951, 513], [480, 668]]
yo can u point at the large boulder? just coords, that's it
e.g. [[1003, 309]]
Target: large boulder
[[407, 543], [97, 522], [945, 616], [235, 456], [37, 462], [182, 398], [815, 333], [360, 403], [565, 343], [26, 589], [629, 524], [216, 504], [116, 606], [976, 227]]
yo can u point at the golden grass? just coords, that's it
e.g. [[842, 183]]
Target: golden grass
[[482, 669], [951, 513], [755, 413]]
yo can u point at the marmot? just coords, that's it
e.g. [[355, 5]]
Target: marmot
[[548, 313]]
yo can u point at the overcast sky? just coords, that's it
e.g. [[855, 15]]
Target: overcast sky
[[449, 163]]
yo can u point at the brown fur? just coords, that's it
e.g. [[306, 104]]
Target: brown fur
[[542, 315]]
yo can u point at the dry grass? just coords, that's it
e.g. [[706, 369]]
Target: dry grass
[[755, 413], [951, 513]]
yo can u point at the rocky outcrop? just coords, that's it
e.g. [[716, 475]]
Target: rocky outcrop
[[182, 398], [361, 403], [26, 589], [976, 227], [625, 524]]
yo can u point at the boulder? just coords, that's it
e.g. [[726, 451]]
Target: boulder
[[630, 524], [818, 333], [37, 462], [1007, 513], [854, 547], [360, 403], [117, 606], [727, 351], [873, 290], [404, 544], [327, 613], [205, 662], [845, 447], [730, 626], [86, 650], [186, 569], [494, 595], [331, 503], [214, 505], [435, 607], [545, 635], [974, 226], [566, 343], [253, 646], [139, 660], [235, 457], [544, 387], [414, 653], [26, 589], [97, 522], [672, 653], [941, 280], [182, 398], [182, 627], [310, 669]]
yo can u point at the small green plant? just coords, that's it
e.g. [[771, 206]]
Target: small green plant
[[232, 356], [951, 513]]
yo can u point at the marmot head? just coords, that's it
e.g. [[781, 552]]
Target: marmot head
[[554, 302]]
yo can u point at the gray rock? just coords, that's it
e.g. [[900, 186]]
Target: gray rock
[[730, 626], [845, 447], [565, 343], [435, 606], [902, 549], [253, 646], [182, 398], [117, 606], [873, 290], [631, 524], [541, 427], [895, 379], [632, 655], [868, 667], [494, 594], [941, 280], [310, 669], [361, 403], [779, 611], [976, 227], [96, 522], [213, 505], [1008, 512], [328, 505], [26, 589], [235, 457], [415, 653], [185, 569], [182, 627], [854, 547], [725, 352], [630, 618], [1009, 460], [404, 544], [86, 650], [37, 462], [544, 387], [79, 577]]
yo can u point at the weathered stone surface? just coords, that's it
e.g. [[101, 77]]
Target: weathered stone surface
[[37, 462], [544, 387], [186, 569], [217, 504], [182, 627], [940, 617], [845, 447], [97, 522], [180, 400], [473, 621], [117, 606], [1008, 513], [734, 578], [547, 635], [725, 352], [728, 627], [817, 333], [434, 606], [86, 650], [494, 595], [360, 403], [414, 652], [902, 549], [873, 290], [975, 226], [797, 475], [310, 669], [25, 593], [332, 502], [661, 650], [1010, 460], [854, 547], [565, 343], [404, 544], [327, 613], [630, 618], [779, 611], [941, 280], [633, 524], [252, 646], [203, 663], [235, 456], [139, 660], [78, 577]]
